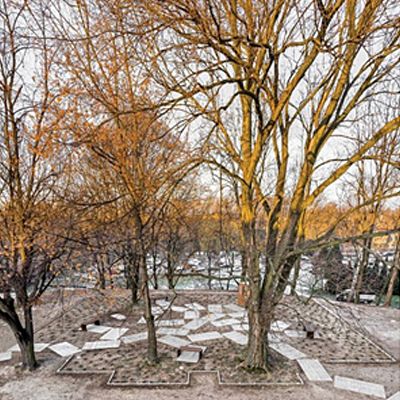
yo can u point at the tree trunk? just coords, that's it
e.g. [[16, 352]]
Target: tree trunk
[[155, 275], [257, 351], [152, 354], [296, 274], [209, 271], [132, 278], [392, 283], [170, 271], [394, 273], [23, 336]]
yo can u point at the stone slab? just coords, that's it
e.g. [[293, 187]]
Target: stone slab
[[195, 306], [214, 317], [234, 308], [279, 326], [314, 370], [101, 345], [173, 341], [363, 387], [173, 331], [137, 337], [396, 396], [156, 310], [114, 334], [98, 328], [191, 314], [179, 309], [196, 323], [237, 327], [163, 303], [6, 356], [171, 322], [38, 347], [119, 317], [225, 322], [189, 357], [237, 337], [215, 308], [287, 350], [64, 349], [201, 337], [295, 334]]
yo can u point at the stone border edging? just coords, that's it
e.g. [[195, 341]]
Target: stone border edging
[[186, 383]]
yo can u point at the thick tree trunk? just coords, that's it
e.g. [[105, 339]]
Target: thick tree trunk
[[257, 350], [23, 336]]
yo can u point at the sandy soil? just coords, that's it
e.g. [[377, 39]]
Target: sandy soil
[[380, 324]]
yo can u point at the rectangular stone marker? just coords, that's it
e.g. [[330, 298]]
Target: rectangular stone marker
[[295, 334], [114, 334], [137, 337], [225, 322], [214, 317], [396, 396], [234, 307], [64, 349], [179, 309], [38, 347], [237, 314], [173, 341], [173, 331], [102, 345], [163, 303], [191, 314], [236, 337], [198, 307], [171, 322], [279, 326], [98, 328], [190, 357], [201, 337], [196, 323], [155, 310], [119, 317], [215, 308], [287, 350], [355, 385], [273, 338], [5, 356], [237, 327], [314, 371]]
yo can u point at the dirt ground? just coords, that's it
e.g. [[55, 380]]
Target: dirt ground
[[381, 325]]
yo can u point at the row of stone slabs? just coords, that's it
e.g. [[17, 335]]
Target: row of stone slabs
[[312, 368]]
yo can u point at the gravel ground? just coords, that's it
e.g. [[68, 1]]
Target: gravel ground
[[379, 324]]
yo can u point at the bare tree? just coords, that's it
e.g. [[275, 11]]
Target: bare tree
[[32, 231], [296, 72]]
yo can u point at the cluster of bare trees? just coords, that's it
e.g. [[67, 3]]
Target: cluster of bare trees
[[109, 110]]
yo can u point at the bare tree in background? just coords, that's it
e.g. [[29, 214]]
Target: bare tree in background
[[31, 166], [112, 118]]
